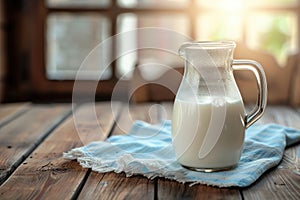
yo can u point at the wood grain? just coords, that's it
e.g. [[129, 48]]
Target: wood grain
[[276, 184], [281, 114], [21, 136], [117, 186], [10, 111], [45, 174], [147, 112], [173, 190], [283, 181]]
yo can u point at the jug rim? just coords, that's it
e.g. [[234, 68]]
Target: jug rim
[[219, 44]]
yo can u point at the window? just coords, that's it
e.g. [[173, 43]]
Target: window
[[70, 38], [269, 25], [73, 28]]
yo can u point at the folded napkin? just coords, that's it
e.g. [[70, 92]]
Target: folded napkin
[[147, 150]]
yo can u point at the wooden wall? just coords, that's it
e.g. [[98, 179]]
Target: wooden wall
[[295, 86], [280, 79], [2, 49]]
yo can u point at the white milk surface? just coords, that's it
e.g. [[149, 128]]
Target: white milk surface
[[208, 133]]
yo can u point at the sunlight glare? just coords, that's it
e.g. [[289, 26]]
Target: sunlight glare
[[235, 6], [232, 6]]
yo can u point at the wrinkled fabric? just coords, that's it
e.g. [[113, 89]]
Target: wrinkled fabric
[[147, 150]]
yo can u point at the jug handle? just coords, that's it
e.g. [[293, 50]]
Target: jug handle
[[261, 102]]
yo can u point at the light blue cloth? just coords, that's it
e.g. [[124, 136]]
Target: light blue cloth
[[147, 150]]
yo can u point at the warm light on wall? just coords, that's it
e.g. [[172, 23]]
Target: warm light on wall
[[229, 6], [233, 6]]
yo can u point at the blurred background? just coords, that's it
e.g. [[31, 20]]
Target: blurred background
[[44, 42]]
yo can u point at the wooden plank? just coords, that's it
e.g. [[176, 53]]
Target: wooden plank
[[45, 174], [95, 123], [281, 114], [117, 186], [20, 136], [145, 111], [276, 184], [173, 190], [283, 181], [11, 110]]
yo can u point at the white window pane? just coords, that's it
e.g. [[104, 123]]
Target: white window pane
[[166, 34], [126, 63], [70, 39], [78, 3], [153, 3]]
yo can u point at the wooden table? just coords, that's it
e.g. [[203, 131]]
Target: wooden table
[[33, 138]]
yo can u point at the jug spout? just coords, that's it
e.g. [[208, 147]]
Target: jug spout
[[205, 54], [182, 49]]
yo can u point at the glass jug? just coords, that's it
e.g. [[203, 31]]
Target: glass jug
[[209, 118]]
